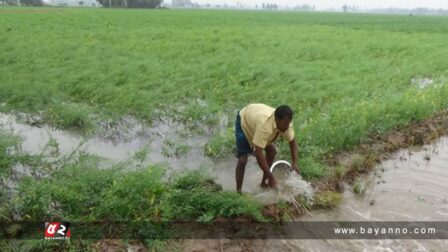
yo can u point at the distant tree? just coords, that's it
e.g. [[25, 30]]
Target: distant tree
[[11, 2], [81, 3], [31, 2], [181, 3], [270, 6], [304, 7], [130, 3]]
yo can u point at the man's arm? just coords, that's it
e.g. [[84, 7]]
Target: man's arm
[[293, 148], [263, 163]]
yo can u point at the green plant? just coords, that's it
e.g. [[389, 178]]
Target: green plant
[[133, 196], [359, 188], [327, 199], [9, 151], [357, 163], [220, 145], [196, 197], [339, 172]]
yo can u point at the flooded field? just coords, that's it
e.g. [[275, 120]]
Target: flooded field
[[411, 186], [122, 142]]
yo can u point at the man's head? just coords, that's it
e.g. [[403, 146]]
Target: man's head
[[283, 117]]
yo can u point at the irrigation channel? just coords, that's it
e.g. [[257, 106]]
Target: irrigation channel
[[411, 186]]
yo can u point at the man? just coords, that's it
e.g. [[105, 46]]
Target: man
[[257, 127]]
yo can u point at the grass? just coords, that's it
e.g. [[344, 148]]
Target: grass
[[359, 188], [327, 199], [220, 145], [339, 172], [9, 151], [113, 195]]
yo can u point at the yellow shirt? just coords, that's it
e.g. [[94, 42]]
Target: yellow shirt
[[259, 127]]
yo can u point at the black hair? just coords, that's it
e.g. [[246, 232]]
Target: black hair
[[283, 111]]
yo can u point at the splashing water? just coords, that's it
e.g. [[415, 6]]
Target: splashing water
[[289, 186]]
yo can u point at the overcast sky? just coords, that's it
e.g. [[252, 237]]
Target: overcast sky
[[325, 4]]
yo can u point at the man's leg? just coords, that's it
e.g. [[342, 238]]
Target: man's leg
[[271, 151], [239, 172]]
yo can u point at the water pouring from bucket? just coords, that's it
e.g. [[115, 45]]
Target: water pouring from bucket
[[281, 169], [290, 184]]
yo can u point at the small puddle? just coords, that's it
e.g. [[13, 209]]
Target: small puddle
[[422, 82]]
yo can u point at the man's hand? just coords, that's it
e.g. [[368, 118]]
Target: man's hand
[[272, 182], [293, 148], [261, 160]]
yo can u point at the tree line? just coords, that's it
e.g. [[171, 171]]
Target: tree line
[[104, 3], [130, 3]]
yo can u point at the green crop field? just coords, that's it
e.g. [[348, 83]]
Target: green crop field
[[344, 75]]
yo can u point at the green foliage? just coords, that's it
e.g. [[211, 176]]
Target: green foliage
[[339, 172], [32, 2], [220, 145], [135, 196], [142, 154], [357, 162], [83, 192], [9, 151], [327, 199], [195, 180], [174, 148], [359, 188], [196, 197], [310, 169], [68, 116], [38, 245], [73, 192], [283, 208], [131, 3]]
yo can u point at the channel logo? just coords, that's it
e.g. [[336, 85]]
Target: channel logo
[[57, 230]]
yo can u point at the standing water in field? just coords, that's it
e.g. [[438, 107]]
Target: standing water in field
[[165, 143], [411, 186], [289, 186]]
